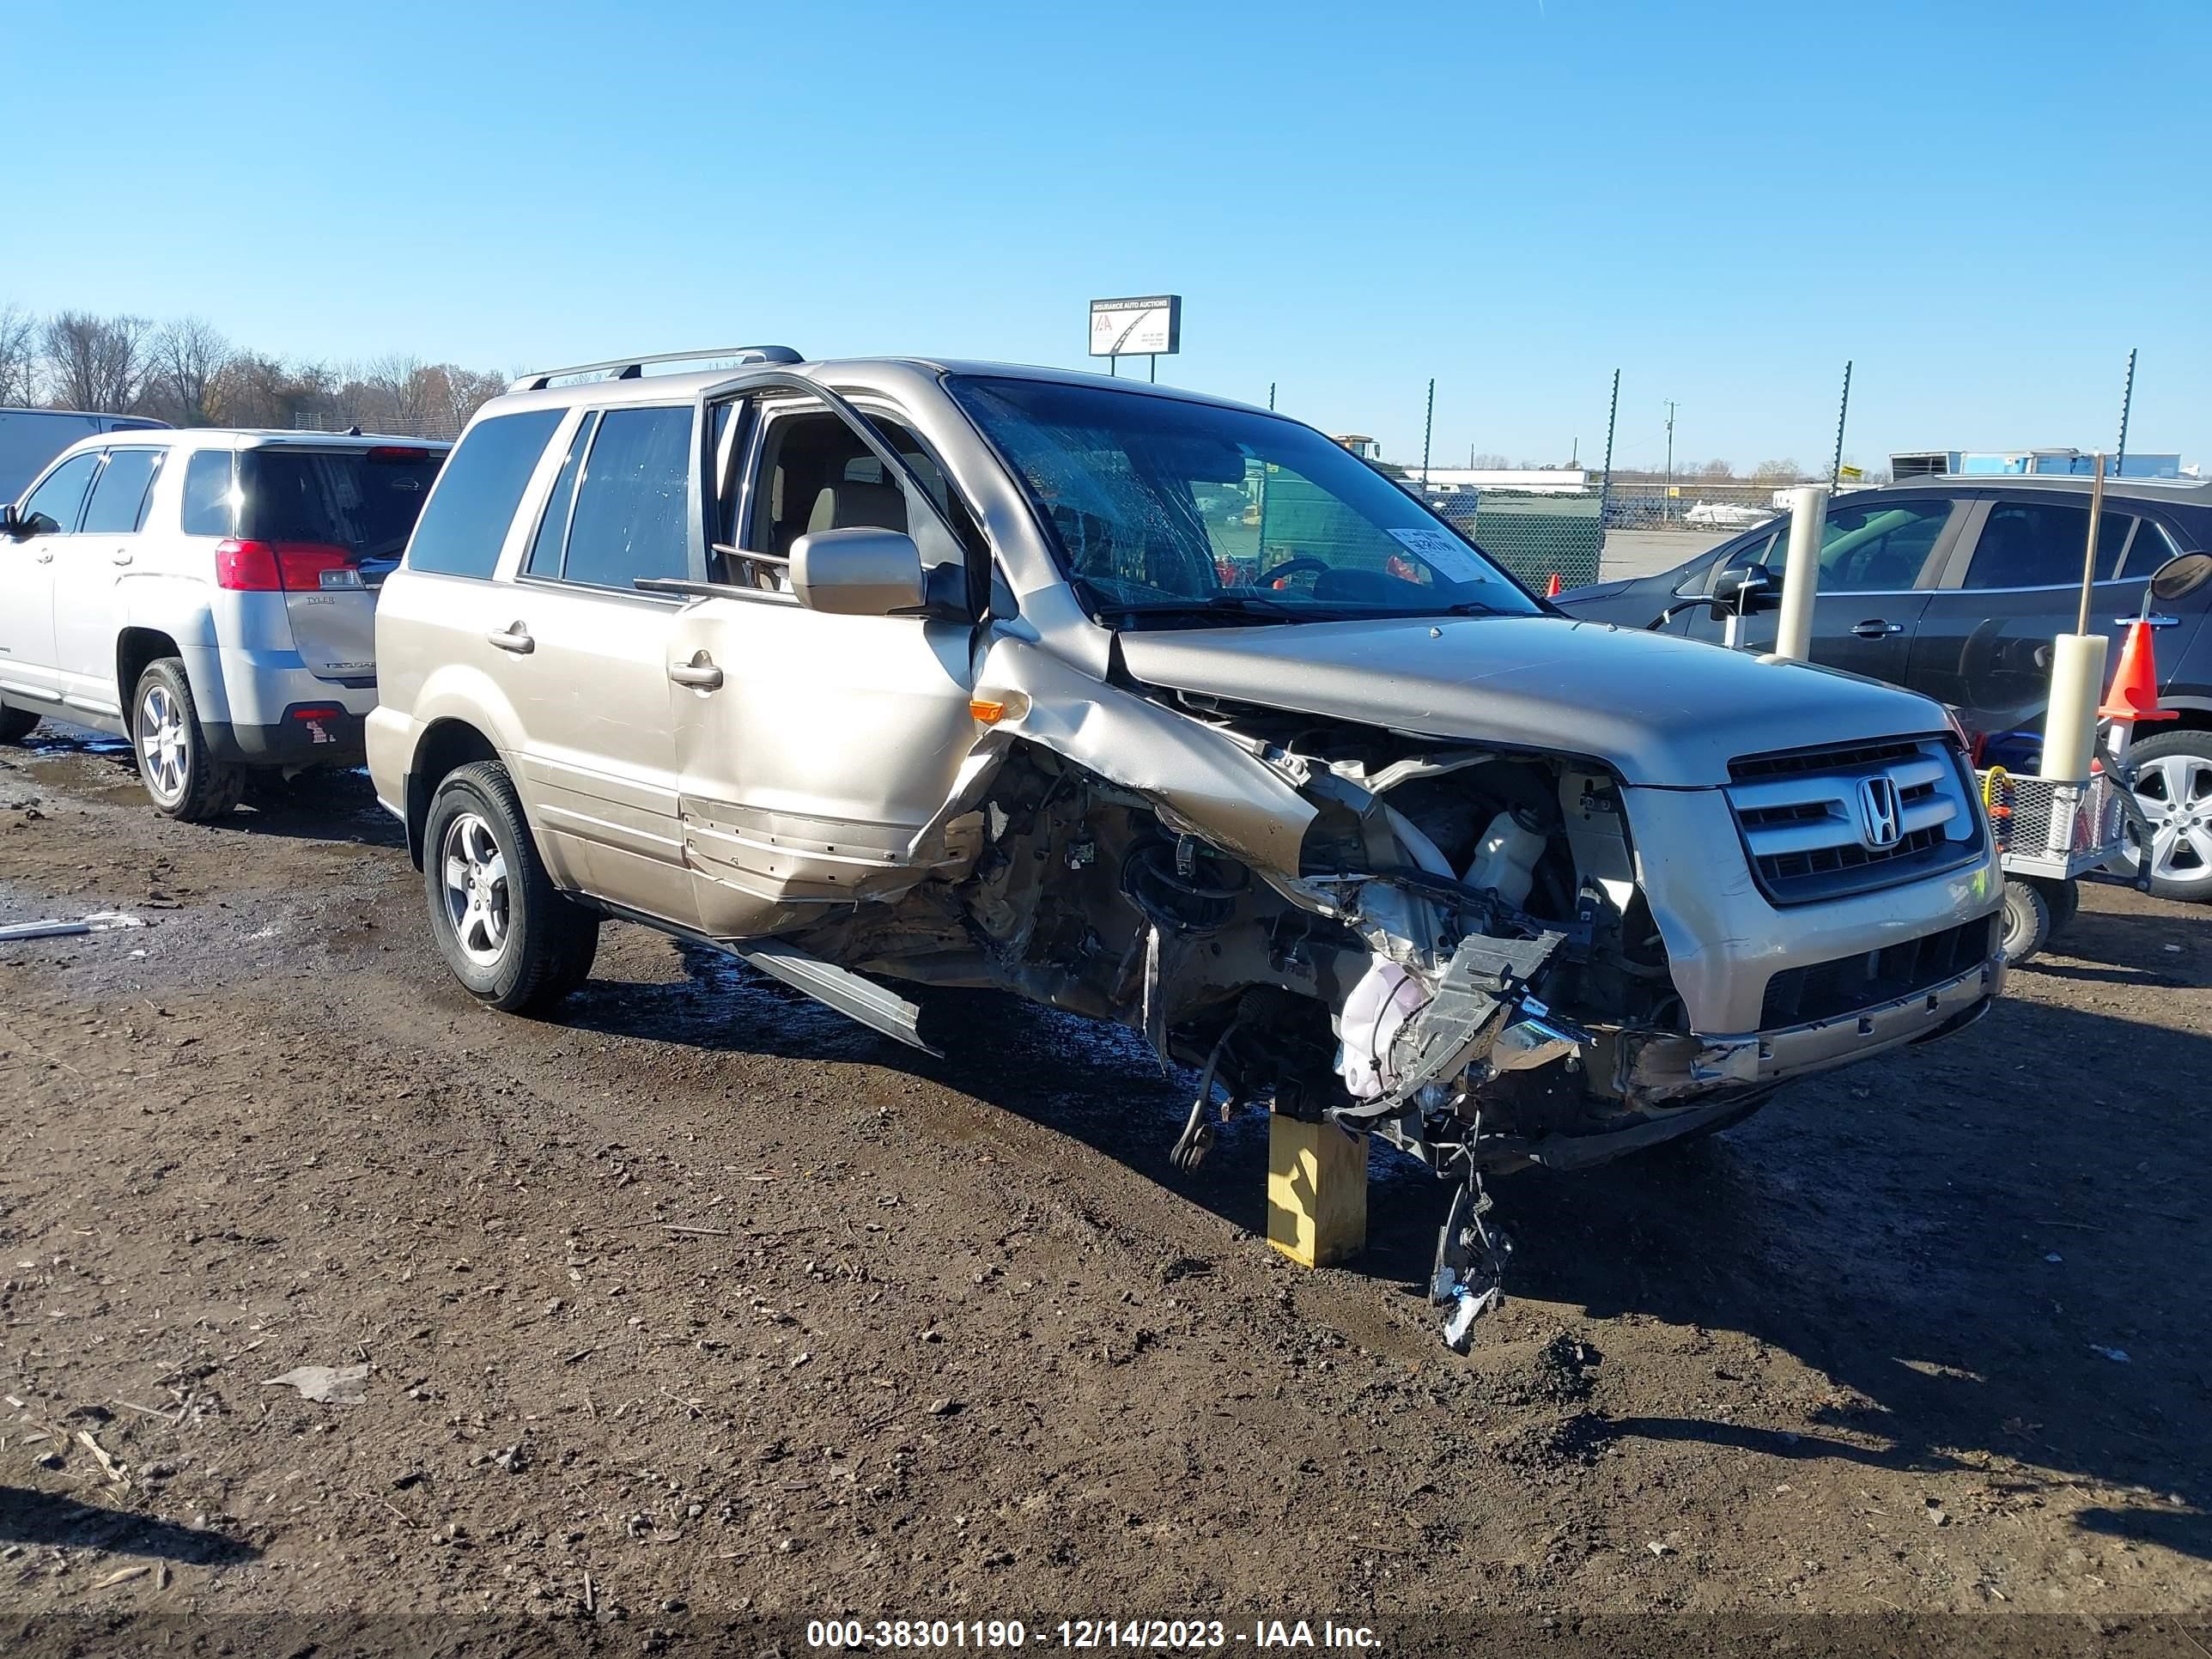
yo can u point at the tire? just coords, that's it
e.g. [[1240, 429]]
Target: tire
[[2064, 898], [182, 777], [2173, 787], [16, 724], [2026, 920], [504, 929]]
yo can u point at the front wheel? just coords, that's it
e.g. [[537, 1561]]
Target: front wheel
[[507, 932], [180, 772]]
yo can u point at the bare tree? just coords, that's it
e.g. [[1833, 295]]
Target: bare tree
[[467, 390], [1489, 461], [187, 356], [1716, 471], [1778, 472], [96, 363], [19, 355]]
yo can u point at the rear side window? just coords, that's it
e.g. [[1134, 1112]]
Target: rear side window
[[632, 500], [365, 501], [2041, 543], [118, 499], [211, 504], [466, 522], [545, 548], [53, 505], [2149, 550]]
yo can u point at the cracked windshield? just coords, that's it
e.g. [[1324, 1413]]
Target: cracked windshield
[[1183, 510]]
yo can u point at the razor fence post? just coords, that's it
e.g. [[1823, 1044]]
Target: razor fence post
[[1843, 413], [2127, 398], [1428, 427], [1605, 488], [1666, 499], [1271, 397]]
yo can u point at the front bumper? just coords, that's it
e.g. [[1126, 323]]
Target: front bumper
[[1661, 1068], [1725, 941]]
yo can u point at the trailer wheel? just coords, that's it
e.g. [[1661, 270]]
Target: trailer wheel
[[2026, 920]]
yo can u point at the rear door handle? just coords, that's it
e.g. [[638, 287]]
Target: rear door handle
[[46, 558], [515, 640], [1875, 629], [2148, 622], [700, 673], [120, 557]]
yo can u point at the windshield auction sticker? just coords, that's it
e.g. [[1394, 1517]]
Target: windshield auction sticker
[[1445, 551]]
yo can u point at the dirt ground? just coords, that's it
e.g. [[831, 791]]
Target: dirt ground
[[702, 1313]]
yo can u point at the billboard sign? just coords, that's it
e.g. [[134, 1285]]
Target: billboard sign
[[1148, 326]]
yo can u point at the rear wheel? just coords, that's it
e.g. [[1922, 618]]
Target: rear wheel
[[2027, 920], [16, 724], [180, 772], [2173, 787], [507, 932]]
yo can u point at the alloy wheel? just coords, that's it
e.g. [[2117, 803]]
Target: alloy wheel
[[164, 744], [2175, 792], [476, 889]]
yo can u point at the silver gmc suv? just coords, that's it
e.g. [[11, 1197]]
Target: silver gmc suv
[[210, 594], [1163, 710]]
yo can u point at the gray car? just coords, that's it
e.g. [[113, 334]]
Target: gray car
[[933, 674], [1955, 586]]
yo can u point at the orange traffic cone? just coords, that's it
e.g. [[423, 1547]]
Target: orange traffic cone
[[1551, 587], [2134, 696]]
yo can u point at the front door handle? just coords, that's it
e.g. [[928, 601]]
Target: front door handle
[[119, 557], [516, 639], [2148, 622], [46, 558], [700, 673], [1875, 629]]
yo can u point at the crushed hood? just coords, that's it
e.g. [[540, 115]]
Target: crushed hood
[[1660, 709]]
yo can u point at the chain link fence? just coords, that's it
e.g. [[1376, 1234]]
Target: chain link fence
[[1690, 505], [1536, 537]]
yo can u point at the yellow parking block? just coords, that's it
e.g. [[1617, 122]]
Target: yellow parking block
[[1316, 1191]]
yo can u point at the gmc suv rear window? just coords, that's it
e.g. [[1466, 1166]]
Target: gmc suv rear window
[[465, 524], [365, 500]]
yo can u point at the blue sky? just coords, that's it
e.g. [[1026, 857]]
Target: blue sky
[[1984, 206]]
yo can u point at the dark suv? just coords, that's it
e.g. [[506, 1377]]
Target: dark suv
[[1956, 587]]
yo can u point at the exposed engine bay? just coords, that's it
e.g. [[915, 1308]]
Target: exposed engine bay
[[1461, 964]]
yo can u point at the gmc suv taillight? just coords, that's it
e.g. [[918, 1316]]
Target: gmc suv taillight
[[249, 567]]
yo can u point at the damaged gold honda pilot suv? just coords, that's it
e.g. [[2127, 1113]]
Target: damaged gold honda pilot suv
[[1163, 710]]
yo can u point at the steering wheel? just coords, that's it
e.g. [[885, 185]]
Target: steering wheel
[[1274, 575]]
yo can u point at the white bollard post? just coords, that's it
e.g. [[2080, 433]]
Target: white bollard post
[[1801, 577]]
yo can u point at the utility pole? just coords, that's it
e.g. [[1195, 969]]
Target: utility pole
[[2127, 398], [1428, 427], [1836, 467], [1605, 489], [1666, 500]]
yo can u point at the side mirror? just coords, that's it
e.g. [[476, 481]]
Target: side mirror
[[12, 524], [1744, 593], [2181, 576], [859, 572]]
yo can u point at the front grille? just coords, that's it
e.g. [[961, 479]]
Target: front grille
[[1827, 990], [1804, 831], [1750, 769]]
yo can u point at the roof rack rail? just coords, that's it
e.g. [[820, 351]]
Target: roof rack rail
[[631, 368]]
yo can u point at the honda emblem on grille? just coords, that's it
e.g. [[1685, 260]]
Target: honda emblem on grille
[[1881, 815]]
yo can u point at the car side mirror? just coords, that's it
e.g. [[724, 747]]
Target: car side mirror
[[1744, 593], [13, 525], [2181, 576], [859, 572]]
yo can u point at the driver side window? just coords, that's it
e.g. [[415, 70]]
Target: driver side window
[[54, 506], [1875, 547]]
